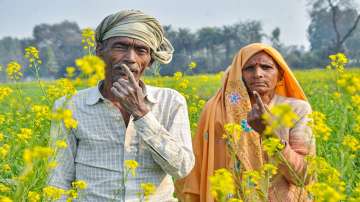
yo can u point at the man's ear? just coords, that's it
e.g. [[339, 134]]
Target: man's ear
[[99, 49], [151, 62]]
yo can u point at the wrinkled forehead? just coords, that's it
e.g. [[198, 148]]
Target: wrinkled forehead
[[129, 41], [261, 57]]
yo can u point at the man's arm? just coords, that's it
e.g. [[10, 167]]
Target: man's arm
[[64, 173], [172, 148]]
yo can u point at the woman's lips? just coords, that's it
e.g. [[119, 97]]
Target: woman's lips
[[258, 84]]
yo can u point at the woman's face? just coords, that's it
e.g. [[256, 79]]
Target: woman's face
[[260, 73]]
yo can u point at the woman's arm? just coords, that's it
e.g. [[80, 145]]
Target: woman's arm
[[300, 144]]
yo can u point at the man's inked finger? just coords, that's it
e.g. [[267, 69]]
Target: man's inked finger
[[129, 74]]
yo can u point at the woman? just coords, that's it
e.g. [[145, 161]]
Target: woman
[[257, 79]]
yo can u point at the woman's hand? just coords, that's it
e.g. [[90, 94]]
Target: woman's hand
[[254, 117]]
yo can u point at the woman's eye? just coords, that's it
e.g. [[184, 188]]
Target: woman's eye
[[249, 68]]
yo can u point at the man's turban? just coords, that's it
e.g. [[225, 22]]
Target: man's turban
[[137, 25]]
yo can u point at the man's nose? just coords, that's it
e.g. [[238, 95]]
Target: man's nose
[[130, 56]]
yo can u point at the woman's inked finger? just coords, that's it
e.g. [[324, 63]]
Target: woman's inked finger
[[259, 102]]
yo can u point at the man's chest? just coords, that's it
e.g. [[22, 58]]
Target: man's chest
[[104, 140]]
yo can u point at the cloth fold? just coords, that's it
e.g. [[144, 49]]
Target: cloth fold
[[136, 24]]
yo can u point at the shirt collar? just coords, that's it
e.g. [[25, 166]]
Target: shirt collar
[[95, 96]]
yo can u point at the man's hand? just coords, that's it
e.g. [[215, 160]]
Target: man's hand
[[130, 94], [254, 117]]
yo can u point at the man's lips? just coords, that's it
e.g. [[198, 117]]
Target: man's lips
[[120, 70]]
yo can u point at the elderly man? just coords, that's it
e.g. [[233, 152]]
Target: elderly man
[[124, 119]]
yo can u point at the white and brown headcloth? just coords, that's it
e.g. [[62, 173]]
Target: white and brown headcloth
[[136, 24]]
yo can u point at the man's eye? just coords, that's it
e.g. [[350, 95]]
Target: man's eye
[[120, 47], [142, 50]]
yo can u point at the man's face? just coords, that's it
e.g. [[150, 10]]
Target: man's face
[[124, 50], [260, 73]]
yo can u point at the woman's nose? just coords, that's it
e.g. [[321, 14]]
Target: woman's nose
[[259, 73]]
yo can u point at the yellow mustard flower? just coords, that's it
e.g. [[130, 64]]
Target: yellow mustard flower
[[234, 200], [204, 78], [33, 196], [131, 165], [13, 70], [351, 142], [52, 165], [355, 100], [70, 72], [320, 167], [90, 64], [2, 119], [25, 134], [37, 152], [69, 121], [88, 38], [222, 184], [32, 54], [280, 115], [232, 132], [192, 65], [272, 145], [4, 188], [4, 150], [322, 192], [72, 194], [5, 199], [184, 84], [62, 87], [6, 168], [268, 169], [79, 184], [147, 190], [319, 126], [251, 178], [53, 193], [41, 111], [61, 144], [5, 92], [177, 75], [338, 61]]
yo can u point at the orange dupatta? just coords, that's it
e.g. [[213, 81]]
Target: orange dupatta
[[230, 105]]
